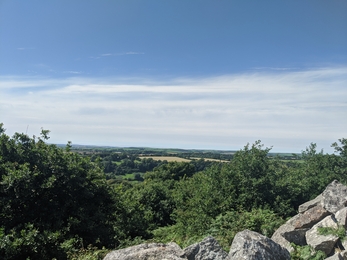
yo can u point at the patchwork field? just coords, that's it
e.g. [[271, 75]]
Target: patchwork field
[[167, 158], [178, 159], [209, 159]]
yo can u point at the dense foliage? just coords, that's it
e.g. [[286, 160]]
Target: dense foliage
[[55, 203], [52, 201]]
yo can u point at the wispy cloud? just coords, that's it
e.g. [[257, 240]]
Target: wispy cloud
[[73, 72], [24, 48], [286, 109], [133, 53], [116, 54], [275, 68]]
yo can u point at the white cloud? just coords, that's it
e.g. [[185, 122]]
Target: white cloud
[[134, 53], [73, 72], [285, 109], [116, 54], [24, 48]]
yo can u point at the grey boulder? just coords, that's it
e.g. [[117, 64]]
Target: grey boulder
[[335, 197], [324, 243], [207, 249], [254, 246], [152, 251]]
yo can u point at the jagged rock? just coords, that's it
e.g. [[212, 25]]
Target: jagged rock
[[327, 210], [341, 217], [310, 217], [344, 244], [278, 237], [253, 246], [324, 243], [296, 236], [337, 256], [344, 254], [152, 251], [310, 204], [287, 234], [335, 197], [207, 249]]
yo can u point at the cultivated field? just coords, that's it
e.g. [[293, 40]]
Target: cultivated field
[[178, 159], [209, 159], [167, 158]]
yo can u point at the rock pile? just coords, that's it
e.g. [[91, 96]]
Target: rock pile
[[247, 245], [327, 210]]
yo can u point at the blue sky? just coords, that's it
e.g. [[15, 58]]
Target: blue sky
[[186, 74]]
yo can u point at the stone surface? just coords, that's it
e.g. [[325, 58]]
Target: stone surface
[[279, 238], [152, 251], [310, 217], [310, 204], [327, 210], [341, 217], [344, 254], [324, 243], [337, 256], [208, 249], [253, 246], [296, 236], [335, 197], [344, 243], [287, 234]]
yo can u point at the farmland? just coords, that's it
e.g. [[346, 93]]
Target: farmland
[[166, 158]]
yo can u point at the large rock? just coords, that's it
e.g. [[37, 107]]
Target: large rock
[[208, 249], [278, 237], [254, 246], [341, 217], [310, 204], [287, 234], [152, 251], [337, 256], [335, 197], [344, 254], [310, 217], [324, 243]]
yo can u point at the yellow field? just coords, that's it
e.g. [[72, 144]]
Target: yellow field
[[210, 159], [167, 158], [178, 159]]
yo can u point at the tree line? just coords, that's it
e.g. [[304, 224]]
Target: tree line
[[55, 202]]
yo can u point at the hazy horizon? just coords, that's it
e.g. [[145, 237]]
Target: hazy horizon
[[188, 75]]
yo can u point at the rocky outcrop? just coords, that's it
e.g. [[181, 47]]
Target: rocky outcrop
[[328, 210], [208, 249], [323, 243], [287, 234], [335, 197], [310, 217], [152, 251], [310, 204], [336, 257], [254, 246], [341, 217]]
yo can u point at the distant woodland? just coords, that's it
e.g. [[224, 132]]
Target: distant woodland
[[72, 202]]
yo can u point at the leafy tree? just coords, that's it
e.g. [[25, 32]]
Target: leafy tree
[[49, 196], [171, 171], [341, 160], [225, 226]]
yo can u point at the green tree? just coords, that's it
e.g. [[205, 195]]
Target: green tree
[[171, 171], [50, 196], [341, 158]]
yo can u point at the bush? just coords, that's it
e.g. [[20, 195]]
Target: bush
[[225, 226], [306, 253], [49, 197]]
